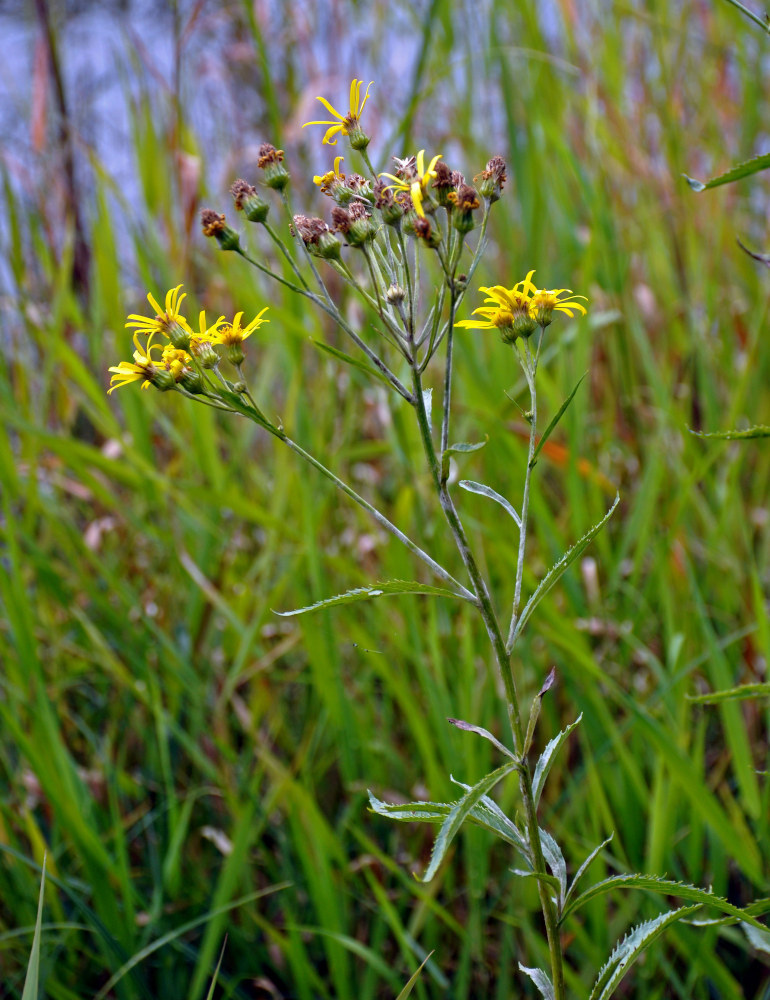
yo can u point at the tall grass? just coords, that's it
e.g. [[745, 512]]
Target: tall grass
[[195, 766]]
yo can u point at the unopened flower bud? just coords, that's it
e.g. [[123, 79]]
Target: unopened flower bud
[[465, 201], [248, 201], [392, 209], [215, 225], [178, 336], [204, 352], [240, 387], [492, 179], [192, 382], [271, 161], [161, 378], [395, 294], [443, 185]]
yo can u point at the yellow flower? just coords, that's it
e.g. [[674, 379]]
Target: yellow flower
[[325, 181], [415, 178], [143, 367], [546, 301], [166, 321], [507, 310], [234, 333], [348, 124]]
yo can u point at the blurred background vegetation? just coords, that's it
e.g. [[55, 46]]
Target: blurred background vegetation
[[197, 767]]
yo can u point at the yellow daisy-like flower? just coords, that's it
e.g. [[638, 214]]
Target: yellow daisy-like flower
[[325, 181], [235, 333], [165, 320], [143, 367], [348, 124], [415, 180], [547, 301], [507, 310]]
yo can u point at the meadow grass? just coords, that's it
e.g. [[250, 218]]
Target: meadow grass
[[197, 767]]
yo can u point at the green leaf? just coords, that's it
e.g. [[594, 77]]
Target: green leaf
[[736, 173], [462, 448], [541, 980], [547, 758], [410, 985], [485, 813], [741, 693], [555, 859], [550, 880], [385, 589], [350, 360], [757, 939], [469, 728], [210, 994], [556, 419], [557, 570], [630, 948], [584, 867], [665, 887], [758, 431], [458, 813], [32, 979], [487, 491]]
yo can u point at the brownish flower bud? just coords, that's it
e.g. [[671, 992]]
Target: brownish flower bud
[[465, 200], [493, 178], [431, 235], [354, 222], [248, 201], [271, 161], [444, 184], [317, 237], [215, 225]]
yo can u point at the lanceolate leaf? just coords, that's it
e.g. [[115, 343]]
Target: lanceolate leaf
[[32, 979], [487, 491], [349, 360], [557, 570], [485, 813], [759, 431], [584, 867], [742, 693], [547, 758], [480, 731], [664, 887], [629, 949], [556, 862], [377, 590], [410, 985], [541, 980], [736, 173], [559, 414]]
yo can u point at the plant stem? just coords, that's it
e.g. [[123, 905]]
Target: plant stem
[[530, 371]]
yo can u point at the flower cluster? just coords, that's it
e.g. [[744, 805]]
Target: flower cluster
[[518, 311], [182, 361]]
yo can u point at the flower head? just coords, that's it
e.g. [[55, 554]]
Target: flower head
[[328, 181], [202, 342], [143, 367], [169, 321], [412, 177], [348, 124], [517, 311], [235, 332]]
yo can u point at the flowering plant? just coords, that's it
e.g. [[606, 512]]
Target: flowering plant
[[399, 246]]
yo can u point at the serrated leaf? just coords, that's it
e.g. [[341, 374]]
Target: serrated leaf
[[628, 950], [664, 887], [485, 813], [386, 589], [557, 570], [487, 491], [741, 693], [350, 360], [469, 728], [547, 757], [412, 981], [541, 980], [543, 877], [559, 414], [458, 814], [584, 867], [555, 860], [758, 431], [736, 173], [32, 979], [757, 939]]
